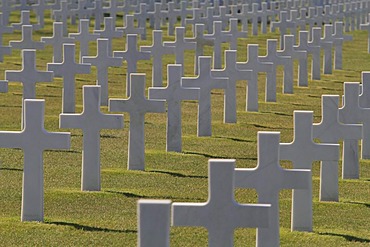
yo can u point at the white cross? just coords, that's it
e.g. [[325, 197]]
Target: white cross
[[91, 121], [234, 74], [84, 37], [4, 50], [154, 218], [303, 152], [3, 86], [109, 32], [57, 41], [131, 55], [283, 24], [102, 61], [136, 105], [141, 18], [62, 15], [68, 70], [340, 38], [206, 82], [173, 15], [129, 27], [353, 113], [268, 178], [181, 45], [305, 45], [273, 57], [27, 42], [33, 139], [330, 130], [235, 33], [113, 9], [157, 51], [256, 66], [324, 44], [301, 56], [221, 214]]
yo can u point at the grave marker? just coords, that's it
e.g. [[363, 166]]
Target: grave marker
[[27, 41], [173, 94], [206, 82], [68, 69], [136, 105], [109, 32], [302, 152], [131, 55], [33, 180], [330, 130], [221, 214], [91, 121], [268, 178]]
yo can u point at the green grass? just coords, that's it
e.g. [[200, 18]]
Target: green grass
[[108, 218]]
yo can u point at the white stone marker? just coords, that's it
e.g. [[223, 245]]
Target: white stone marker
[[234, 74], [102, 61], [33, 139], [26, 42], [3, 86], [154, 221], [91, 121], [276, 60], [25, 20], [283, 24], [268, 178], [68, 70], [366, 26], [219, 37], [201, 40], [221, 214], [129, 27], [206, 82], [57, 41], [352, 113], [256, 66], [131, 55], [28, 75], [302, 152], [300, 56], [305, 45], [62, 15], [141, 18], [235, 33], [113, 9], [180, 44], [174, 93], [157, 51], [173, 15], [324, 44], [109, 32], [330, 130], [84, 37], [4, 50], [136, 105], [98, 13], [155, 16], [365, 86], [340, 38]]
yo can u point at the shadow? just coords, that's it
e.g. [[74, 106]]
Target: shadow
[[233, 139], [347, 237], [217, 157], [49, 96], [359, 203], [64, 151], [88, 228], [176, 174], [109, 136], [127, 194], [11, 169], [11, 106]]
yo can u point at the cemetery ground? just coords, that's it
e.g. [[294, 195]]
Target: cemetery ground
[[108, 217]]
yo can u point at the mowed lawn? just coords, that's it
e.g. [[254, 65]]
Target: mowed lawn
[[109, 217]]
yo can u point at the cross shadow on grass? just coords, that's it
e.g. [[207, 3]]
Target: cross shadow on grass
[[346, 237], [11, 169], [127, 194], [210, 156], [177, 174], [359, 203], [89, 228], [138, 196]]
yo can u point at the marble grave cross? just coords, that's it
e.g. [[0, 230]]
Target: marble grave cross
[[137, 106], [326, 45], [68, 69], [173, 94], [91, 121], [206, 82], [109, 32], [33, 139], [221, 214], [102, 61], [4, 50], [27, 41], [303, 152], [330, 130], [131, 55], [268, 178]]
